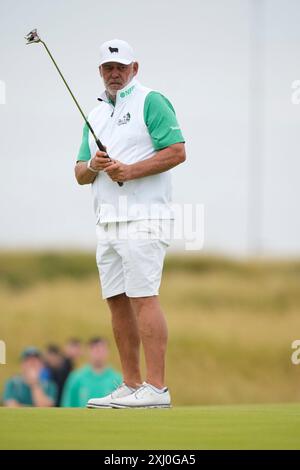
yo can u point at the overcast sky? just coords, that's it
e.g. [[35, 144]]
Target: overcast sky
[[197, 53]]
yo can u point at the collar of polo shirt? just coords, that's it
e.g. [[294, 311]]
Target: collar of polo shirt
[[122, 95]]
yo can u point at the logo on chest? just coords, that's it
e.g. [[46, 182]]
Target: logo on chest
[[124, 120]]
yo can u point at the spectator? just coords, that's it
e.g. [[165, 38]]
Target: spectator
[[72, 352], [94, 379], [57, 368], [29, 388]]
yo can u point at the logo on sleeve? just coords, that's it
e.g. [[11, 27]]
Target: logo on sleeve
[[124, 120]]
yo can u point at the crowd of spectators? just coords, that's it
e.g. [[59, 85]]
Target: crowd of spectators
[[56, 376]]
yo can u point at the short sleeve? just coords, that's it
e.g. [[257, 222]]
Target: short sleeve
[[84, 152], [161, 121]]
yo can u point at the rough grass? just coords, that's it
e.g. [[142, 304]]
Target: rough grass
[[217, 427], [231, 322]]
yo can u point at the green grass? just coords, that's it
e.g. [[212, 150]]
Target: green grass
[[198, 427], [231, 323]]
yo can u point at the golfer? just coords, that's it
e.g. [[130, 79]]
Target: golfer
[[139, 129]]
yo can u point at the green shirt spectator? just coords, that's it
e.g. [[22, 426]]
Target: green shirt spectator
[[86, 383], [18, 390], [30, 388]]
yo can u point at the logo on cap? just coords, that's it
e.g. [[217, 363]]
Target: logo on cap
[[113, 49]]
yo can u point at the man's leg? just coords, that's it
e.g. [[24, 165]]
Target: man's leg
[[154, 335], [125, 328]]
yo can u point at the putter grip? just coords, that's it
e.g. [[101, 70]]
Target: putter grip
[[102, 149]]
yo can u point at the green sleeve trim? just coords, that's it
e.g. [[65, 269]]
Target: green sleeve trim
[[161, 121], [84, 152]]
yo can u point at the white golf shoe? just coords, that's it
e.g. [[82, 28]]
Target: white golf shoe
[[145, 396], [105, 402]]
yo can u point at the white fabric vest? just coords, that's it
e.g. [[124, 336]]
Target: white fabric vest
[[121, 128]]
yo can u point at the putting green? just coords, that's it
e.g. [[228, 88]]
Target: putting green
[[209, 427]]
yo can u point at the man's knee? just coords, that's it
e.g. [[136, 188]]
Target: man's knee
[[118, 301]]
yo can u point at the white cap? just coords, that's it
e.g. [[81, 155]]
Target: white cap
[[116, 50]]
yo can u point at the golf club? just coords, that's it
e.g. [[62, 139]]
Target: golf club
[[33, 37]]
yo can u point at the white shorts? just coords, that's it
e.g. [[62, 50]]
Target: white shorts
[[130, 256]]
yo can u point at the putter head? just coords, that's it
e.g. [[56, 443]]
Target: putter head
[[32, 37]]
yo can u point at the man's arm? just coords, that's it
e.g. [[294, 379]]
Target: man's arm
[[99, 162], [11, 403], [163, 160], [83, 174], [39, 397]]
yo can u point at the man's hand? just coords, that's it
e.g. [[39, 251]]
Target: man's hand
[[31, 375], [100, 161], [118, 171]]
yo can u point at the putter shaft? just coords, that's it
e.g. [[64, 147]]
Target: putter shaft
[[34, 37]]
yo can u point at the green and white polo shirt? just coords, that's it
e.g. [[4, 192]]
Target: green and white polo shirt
[[141, 122]]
